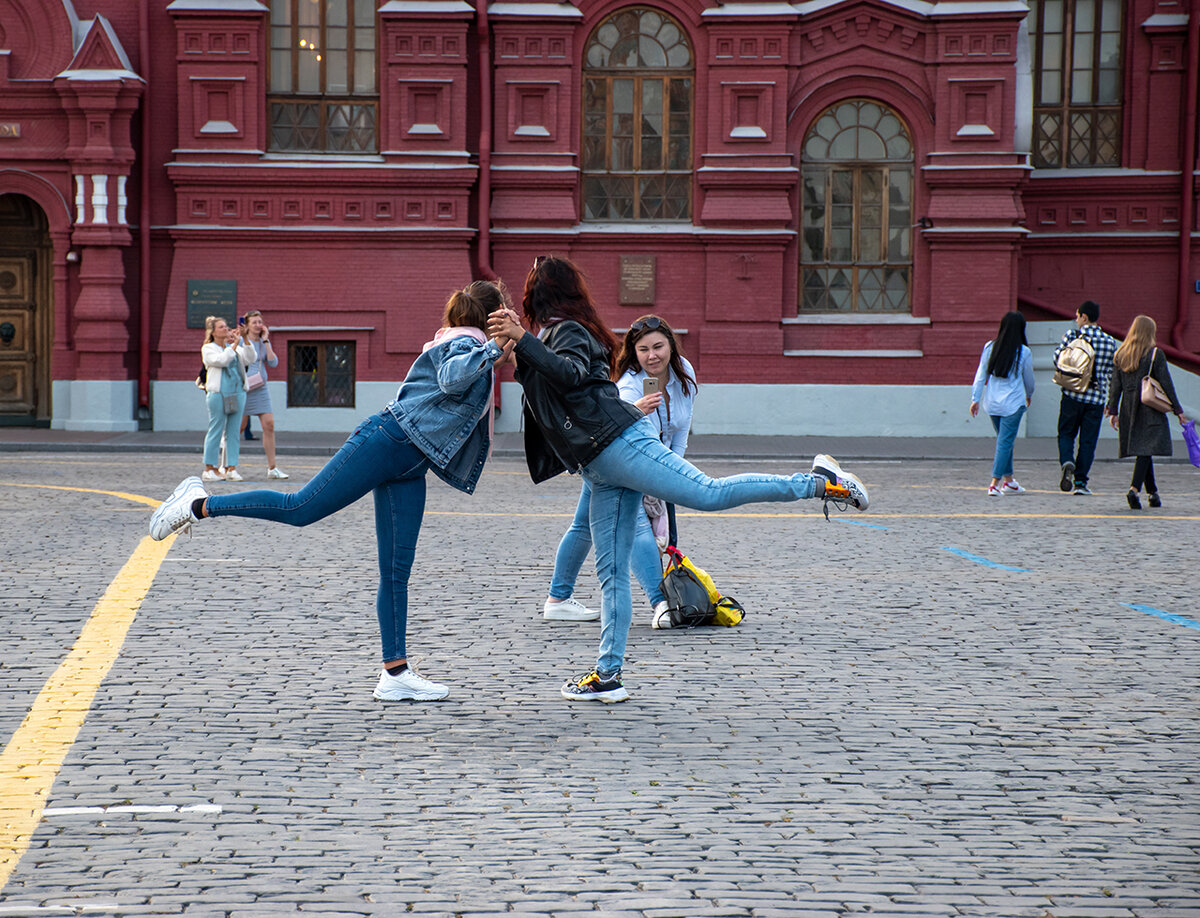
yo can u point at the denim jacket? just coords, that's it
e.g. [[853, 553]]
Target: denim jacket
[[442, 406]]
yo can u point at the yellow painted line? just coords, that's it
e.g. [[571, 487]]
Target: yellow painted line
[[136, 498], [816, 515], [34, 755]]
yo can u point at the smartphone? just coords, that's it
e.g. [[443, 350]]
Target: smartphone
[[241, 320], [650, 385]]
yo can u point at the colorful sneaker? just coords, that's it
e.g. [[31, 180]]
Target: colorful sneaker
[[993, 491], [842, 487], [1068, 477], [408, 686], [661, 619], [175, 513], [592, 688], [1012, 487], [569, 610]]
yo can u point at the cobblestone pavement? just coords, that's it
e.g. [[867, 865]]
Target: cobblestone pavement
[[1002, 729]]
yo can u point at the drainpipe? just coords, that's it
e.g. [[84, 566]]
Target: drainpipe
[[1187, 194], [144, 218], [483, 257]]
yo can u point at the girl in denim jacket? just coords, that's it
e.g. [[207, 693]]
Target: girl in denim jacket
[[439, 420]]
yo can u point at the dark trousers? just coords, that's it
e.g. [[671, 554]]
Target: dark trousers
[[1143, 471], [1076, 418]]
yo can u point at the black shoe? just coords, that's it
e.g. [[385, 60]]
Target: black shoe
[[1155, 501], [250, 436], [1134, 503], [592, 688], [1067, 482]]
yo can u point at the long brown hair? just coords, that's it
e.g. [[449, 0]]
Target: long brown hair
[[627, 359], [555, 290], [470, 306], [1139, 340]]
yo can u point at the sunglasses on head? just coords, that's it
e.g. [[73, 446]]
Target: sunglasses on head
[[649, 323], [537, 262]]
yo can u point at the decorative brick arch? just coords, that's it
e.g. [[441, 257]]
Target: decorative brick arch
[[43, 193], [910, 102], [45, 33]]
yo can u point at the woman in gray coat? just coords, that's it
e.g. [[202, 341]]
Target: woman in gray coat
[[1142, 431]]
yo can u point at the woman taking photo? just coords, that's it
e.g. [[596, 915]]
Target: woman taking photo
[[1142, 431], [258, 395], [440, 419], [225, 358], [648, 351], [576, 420], [1004, 386]]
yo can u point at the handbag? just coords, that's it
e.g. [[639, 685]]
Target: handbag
[[1192, 439], [1153, 395], [692, 597], [231, 404], [255, 380]]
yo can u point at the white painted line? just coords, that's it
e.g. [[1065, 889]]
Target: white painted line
[[200, 809]]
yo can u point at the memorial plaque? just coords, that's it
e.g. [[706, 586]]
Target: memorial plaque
[[10, 128], [636, 287], [211, 298]]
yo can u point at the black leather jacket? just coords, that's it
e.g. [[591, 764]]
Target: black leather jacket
[[572, 409]]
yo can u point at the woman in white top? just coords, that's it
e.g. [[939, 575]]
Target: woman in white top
[[1004, 386], [226, 357], [649, 350]]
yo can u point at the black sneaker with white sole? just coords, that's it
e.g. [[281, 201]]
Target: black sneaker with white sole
[[1067, 482], [591, 687]]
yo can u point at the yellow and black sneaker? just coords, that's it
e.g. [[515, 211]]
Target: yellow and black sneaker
[[593, 688]]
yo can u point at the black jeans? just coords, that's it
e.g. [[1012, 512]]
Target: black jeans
[[1078, 418], [1143, 471]]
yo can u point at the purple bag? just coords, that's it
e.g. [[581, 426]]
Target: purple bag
[[1192, 439]]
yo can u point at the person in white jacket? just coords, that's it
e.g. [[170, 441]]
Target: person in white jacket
[[226, 356]]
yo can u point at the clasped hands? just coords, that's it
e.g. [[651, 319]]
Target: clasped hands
[[504, 327]]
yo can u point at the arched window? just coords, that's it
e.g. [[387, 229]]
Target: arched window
[[856, 247], [324, 93], [637, 119]]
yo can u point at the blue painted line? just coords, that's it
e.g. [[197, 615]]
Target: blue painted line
[[1168, 616], [860, 523], [984, 561]]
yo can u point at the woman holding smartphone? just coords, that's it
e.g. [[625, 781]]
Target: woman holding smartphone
[[575, 419], [653, 375]]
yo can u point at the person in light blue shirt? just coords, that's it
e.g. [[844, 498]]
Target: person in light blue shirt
[[1004, 387], [649, 350]]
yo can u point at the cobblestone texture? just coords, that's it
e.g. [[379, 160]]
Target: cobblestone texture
[[894, 730]]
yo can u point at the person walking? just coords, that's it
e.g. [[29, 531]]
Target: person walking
[[1080, 414], [651, 351], [576, 420], [1004, 387], [225, 357], [1142, 431], [440, 419], [258, 394]]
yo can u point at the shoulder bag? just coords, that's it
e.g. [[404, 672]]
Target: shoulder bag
[[1153, 395]]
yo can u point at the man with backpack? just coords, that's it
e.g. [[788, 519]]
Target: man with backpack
[[1083, 363]]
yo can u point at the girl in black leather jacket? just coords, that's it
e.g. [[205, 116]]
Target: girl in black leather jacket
[[575, 420]]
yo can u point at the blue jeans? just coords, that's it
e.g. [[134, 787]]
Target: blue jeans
[[637, 463], [219, 422], [1076, 417], [377, 457], [1006, 434], [577, 542]]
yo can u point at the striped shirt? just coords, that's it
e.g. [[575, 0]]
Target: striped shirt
[[1102, 366]]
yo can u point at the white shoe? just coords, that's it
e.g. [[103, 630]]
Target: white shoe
[[234, 475], [1012, 487], [211, 475], [175, 513], [274, 472], [408, 686], [569, 610], [846, 487], [661, 619]]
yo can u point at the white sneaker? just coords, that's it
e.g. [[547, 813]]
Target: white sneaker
[[274, 472], [211, 475], [175, 513], [234, 475], [1012, 487], [408, 686], [662, 616], [845, 487], [569, 610]]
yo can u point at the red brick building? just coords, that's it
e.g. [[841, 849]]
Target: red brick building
[[836, 200]]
